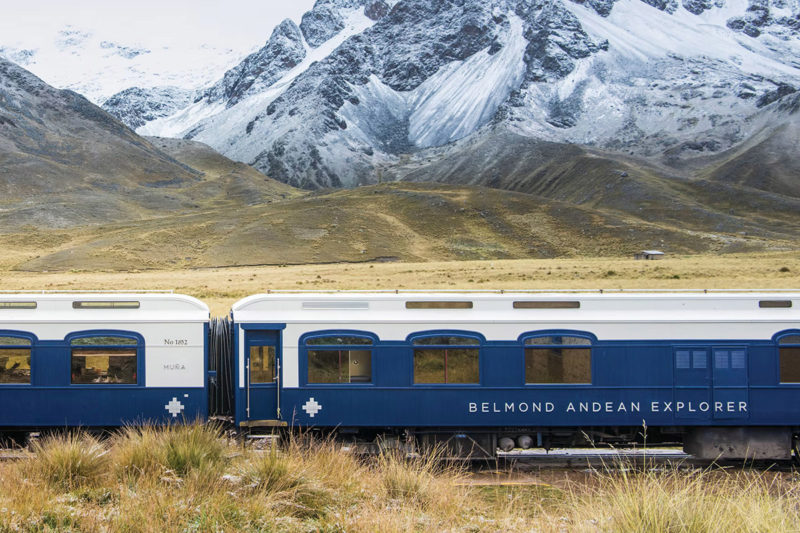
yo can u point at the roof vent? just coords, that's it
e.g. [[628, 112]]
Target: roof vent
[[559, 304], [17, 305], [352, 306], [96, 304], [771, 304], [438, 305]]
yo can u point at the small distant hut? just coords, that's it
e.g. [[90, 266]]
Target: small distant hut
[[649, 255]]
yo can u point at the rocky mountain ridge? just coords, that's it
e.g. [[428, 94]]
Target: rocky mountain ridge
[[362, 85]]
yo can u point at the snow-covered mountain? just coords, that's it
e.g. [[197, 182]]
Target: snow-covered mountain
[[362, 86]]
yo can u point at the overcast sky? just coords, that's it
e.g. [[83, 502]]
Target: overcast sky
[[183, 43], [236, 22]]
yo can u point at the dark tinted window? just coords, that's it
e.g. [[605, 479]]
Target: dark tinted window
[[559, 340], [339, 366], [790, 364], [104, 341], [446, 359], [558, 365], [15, 365], [339, 359], [339, 341], [14, 341], [446, 341], [104, 366], [446, 365]]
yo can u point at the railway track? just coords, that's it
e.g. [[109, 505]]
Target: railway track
[[605, 458]]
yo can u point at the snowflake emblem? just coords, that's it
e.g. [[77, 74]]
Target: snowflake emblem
[[312, 407], [174, 407]]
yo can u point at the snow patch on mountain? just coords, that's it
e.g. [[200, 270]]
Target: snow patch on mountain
[[226, 126], [639, 32], [137, 106], [451, 104], [679, 84]]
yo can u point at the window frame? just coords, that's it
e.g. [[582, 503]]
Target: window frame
[[303, 349], [522, 339], [446, 333], [33, 339], [776, 339], [140, 356]]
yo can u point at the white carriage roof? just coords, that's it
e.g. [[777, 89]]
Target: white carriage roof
[[101, 307], [562, 307]]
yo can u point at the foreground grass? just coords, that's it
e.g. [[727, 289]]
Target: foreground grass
[[188, 478]]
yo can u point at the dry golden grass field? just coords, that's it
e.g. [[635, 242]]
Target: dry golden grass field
[[220, 287], [188, 478]]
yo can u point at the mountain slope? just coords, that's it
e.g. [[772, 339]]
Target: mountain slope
[[65, 162], [401, 221], [768, 160], [57, 146]]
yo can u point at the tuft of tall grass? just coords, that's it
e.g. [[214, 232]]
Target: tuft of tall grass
[[271, 472], [138, 451], [68, 461], [424, 479], [191, 447], [676, 500]]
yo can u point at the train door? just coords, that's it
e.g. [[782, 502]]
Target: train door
[[730, 383], [262, 371], [692, 400]]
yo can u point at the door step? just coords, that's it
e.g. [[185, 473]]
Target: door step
[[263, 424]]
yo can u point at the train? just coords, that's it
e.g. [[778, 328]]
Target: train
[[481, 373]]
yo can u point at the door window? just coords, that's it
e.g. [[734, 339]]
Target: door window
[[262, 364]]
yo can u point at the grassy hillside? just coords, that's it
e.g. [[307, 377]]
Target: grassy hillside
[[397, 222]]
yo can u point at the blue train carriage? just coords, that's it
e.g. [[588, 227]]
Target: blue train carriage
[[101, 360], [716, 371]]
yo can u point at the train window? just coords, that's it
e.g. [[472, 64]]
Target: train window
[[339, 359], [559, 340], [103, 341], [15, 360], [445, 340], [687, 359], [699, 359], [789, 355], [446, 359], [737, 359], [106, 360], [558, 359], [790, 364], [338, 340], [262, 364]]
